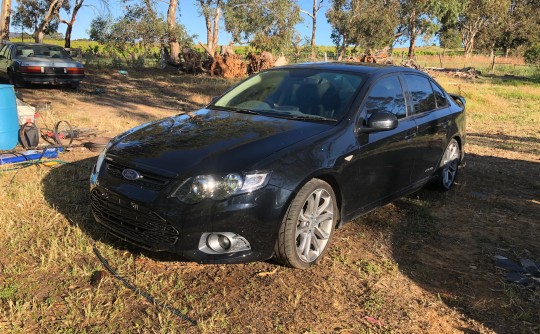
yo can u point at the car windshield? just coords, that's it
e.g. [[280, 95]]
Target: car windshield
[[47, 51], [310, 94]]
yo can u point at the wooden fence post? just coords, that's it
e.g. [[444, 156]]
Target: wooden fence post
[[492, 66]]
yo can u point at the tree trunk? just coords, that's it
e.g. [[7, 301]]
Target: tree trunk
[[171, 26], [5, 15], [52, 11], [67, 39], [38, 36], [69, 29], [215, 30], [342, 49], [211, 19], [314, 27], [412, 46], [412, 34], [469, 46]]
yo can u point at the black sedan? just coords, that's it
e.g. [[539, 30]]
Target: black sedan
[[23, 63], [274, 165]]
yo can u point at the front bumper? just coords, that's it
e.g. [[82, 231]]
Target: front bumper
[[152, 220]]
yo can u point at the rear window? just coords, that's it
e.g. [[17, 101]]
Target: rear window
[[47, 51]]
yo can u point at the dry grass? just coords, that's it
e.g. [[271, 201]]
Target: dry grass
[[503, 66], [420, 265]]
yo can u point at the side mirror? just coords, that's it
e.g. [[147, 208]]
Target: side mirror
[[380, 121]]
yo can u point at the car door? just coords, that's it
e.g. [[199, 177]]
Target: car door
[[4, 61], [382, 162], [430, 112]]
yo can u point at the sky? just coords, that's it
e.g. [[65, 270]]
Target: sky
[[194, 23], [190, 18]]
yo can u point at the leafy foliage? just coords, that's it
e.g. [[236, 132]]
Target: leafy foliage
[[135, 34], [532, 54], [422, 18], [364, 23], [29, 14], [267, 25], [449, 38]]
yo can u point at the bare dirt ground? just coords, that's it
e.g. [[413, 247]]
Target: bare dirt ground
[[423, 264]]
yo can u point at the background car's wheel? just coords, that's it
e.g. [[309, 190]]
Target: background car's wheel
[[74, 85], [308, 226], [449, 165], [13, 81]]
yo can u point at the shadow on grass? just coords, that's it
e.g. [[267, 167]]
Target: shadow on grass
[[513, 80], [446, 241], [66, 188]]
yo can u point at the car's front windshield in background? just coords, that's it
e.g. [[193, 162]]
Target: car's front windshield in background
[[47, 51], [294, 93]]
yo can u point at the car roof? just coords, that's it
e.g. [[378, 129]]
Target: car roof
[[30, 44], [364, 68]]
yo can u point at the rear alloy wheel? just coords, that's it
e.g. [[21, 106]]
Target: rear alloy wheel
[[308, 226], [449, 165]]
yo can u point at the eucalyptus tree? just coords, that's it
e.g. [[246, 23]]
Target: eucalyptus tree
[[476, 17], [5, 14], [212, 10], [363, 23], [317, 6], [422, 18], [135, 34], [41, 16], [267, 25]]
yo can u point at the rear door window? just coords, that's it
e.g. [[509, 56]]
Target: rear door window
[[440, 98], [421, 92], [387, 96]]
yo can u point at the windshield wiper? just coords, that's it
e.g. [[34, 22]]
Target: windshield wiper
[[307, 117], [238, 110]]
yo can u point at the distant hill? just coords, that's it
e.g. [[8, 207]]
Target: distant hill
[[18, 35]]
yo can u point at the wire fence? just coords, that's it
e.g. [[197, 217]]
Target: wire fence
[[497, 64]]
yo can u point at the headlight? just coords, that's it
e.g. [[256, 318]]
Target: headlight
[[220, 187], [99, 163]]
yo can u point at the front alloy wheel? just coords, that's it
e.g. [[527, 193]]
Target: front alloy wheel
[[449, 165], [307, 228]]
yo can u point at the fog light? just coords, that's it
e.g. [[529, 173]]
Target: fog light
[[222, 242], [218, 242]]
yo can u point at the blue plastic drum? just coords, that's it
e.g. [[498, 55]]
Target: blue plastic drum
[[9, 123]]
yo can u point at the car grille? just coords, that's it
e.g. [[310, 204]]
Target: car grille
[[148, 180], [133, 221]]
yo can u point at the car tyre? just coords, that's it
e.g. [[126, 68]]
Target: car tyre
[[13, 81], [448, 169], [308, 226], [74, 85]]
